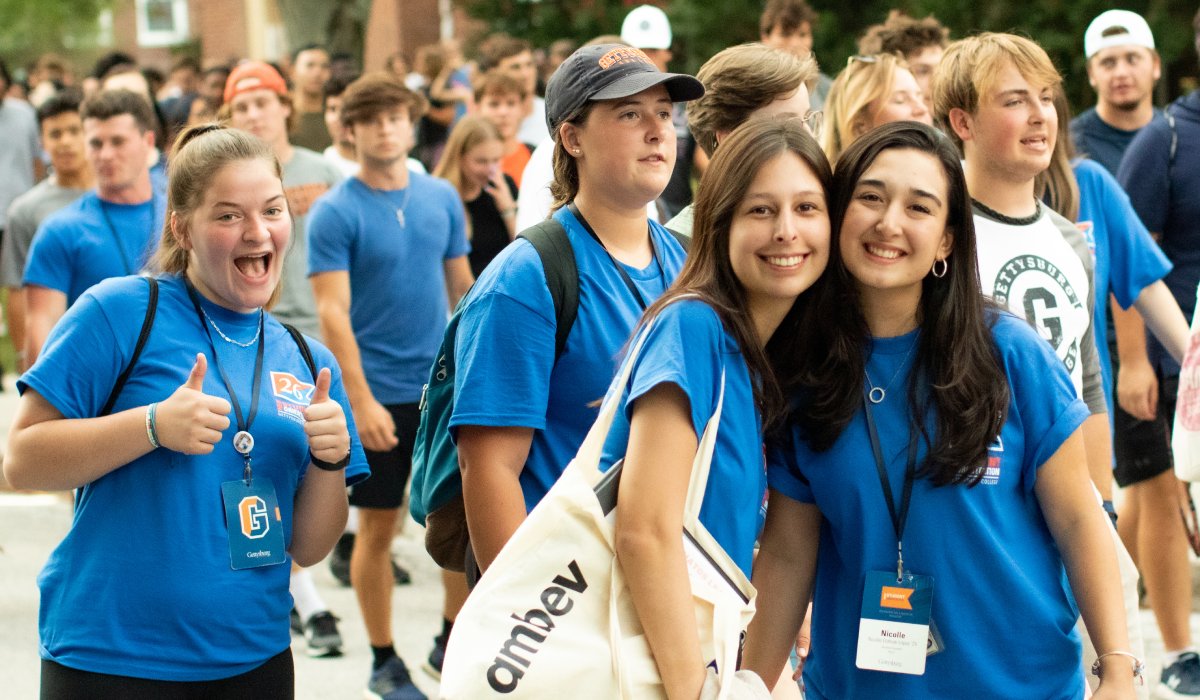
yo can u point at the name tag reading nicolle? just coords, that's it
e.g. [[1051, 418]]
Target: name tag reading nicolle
[[893, 632]]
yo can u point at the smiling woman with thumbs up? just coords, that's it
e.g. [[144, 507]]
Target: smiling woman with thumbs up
[[209, 444]]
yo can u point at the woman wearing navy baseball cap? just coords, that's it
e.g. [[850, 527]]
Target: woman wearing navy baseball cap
[[522, 404]]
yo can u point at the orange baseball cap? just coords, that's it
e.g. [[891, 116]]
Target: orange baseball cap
[[253, 75]]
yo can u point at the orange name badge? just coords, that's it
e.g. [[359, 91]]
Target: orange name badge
[[893, 631], [896, 598]]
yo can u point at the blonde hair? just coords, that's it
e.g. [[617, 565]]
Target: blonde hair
[[969, 68], [467, 134], [201, 152], [865, 80]]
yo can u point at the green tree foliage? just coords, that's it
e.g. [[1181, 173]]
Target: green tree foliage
[[703, 27], [31, 27]]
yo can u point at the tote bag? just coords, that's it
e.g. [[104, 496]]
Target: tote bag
[[1185, 436], [552, 616]]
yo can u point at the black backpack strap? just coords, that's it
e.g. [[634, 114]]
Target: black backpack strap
[[305, 351], [550, 240], [147, 324]]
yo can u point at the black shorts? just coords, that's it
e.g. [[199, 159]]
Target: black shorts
[[275, 678], [390, 470], [1143, 447]]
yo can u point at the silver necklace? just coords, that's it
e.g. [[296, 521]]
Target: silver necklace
[[877, 394], [226, 338], [386, 200]]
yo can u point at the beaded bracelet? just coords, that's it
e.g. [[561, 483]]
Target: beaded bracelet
[[1138, 666], [151, 425]]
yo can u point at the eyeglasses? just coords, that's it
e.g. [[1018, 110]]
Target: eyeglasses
[[813, 119]]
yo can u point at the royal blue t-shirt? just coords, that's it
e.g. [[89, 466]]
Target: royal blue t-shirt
[[142, 585], [398, 302], [689, 346], [507, 375], [1165, 192], [91, 240], [1127, 258], [1000, 595]]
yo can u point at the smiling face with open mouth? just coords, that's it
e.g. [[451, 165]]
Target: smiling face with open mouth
[[894, 227], [237, 237], [779, 235]]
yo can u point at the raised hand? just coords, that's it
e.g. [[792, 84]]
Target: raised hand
[[325, 423], [190, 421]]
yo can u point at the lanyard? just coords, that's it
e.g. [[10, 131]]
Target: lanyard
[[112, 230], [621, 268], [899, 514], [243, 441]]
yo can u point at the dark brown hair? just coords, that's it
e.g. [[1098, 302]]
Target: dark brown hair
[[964, 383], [904, 35], [786, 16], [495, 82], [378, 92], [108, 104], [498, 47]]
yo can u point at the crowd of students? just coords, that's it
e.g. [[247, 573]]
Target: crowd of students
[[935, 316]]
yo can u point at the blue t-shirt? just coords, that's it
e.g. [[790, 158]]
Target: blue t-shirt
[[689, 346], [398, 303], [1096, 139], [141, 585], [1165, 193], [1127, 258], [77, 246], [507, 375], [1000, 595]]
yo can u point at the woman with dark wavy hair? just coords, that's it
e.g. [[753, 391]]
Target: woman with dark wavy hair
[[932, 483]]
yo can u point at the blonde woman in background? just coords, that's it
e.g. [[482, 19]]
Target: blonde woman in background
[[872, 91]]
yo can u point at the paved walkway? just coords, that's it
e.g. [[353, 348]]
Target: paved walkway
[[32, 524]]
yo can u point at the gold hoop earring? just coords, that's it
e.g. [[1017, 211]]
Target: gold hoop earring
[[945, 268]]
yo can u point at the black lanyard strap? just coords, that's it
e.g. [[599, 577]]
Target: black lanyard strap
[[112, 229], [637, 294], [899, 513], [242, 424]]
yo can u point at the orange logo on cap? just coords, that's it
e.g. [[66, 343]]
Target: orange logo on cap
[[623, 54], [896, 598]]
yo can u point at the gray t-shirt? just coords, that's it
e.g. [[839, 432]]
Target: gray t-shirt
[[306, 177], [19, 146], [24, 216]]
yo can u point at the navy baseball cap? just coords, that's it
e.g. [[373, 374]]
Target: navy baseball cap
[[609, 72]]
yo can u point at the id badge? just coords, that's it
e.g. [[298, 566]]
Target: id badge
[[253, 522], [893, 632]]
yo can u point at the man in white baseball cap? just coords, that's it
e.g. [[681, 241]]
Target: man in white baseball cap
[[1122, 67]]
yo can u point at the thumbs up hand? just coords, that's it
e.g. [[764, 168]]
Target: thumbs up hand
[[325, 423], [190, 421]]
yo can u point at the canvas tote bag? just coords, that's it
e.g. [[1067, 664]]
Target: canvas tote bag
[[1185, 436], [552, 617]]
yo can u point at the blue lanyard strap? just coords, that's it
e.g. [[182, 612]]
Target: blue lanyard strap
[[637, 295], [242, 424], [112, 229]]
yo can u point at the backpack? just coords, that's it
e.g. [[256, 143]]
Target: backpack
[[435, 497], [148, 324]]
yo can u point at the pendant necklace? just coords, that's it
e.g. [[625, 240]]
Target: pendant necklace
[[387, 200], [877, 394]]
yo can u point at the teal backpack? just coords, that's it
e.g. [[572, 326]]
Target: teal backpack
[[436, 480], [435, 498]]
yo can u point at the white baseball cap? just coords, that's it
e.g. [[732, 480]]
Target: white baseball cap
[[646, 27], [1136, 32]]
